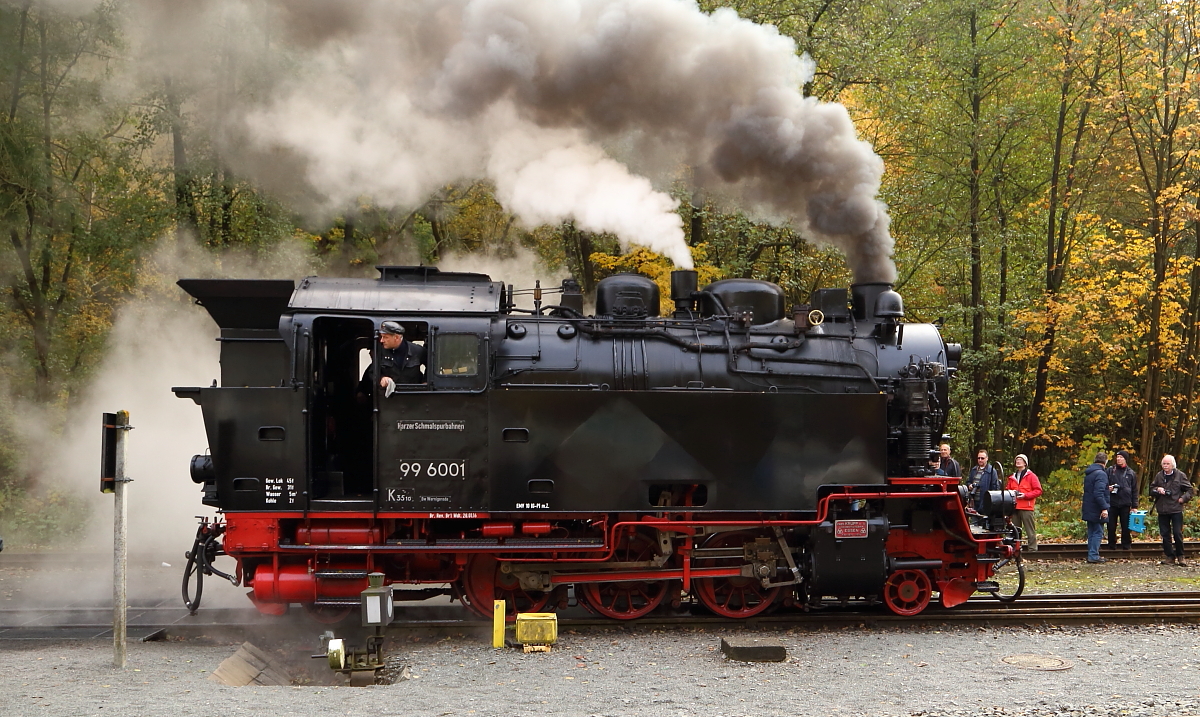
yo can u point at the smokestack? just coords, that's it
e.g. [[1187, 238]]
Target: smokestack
[[684, 284], [875, 300]]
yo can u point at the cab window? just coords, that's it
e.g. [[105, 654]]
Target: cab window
[[457, 355]]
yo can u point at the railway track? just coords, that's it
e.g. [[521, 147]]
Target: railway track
[[150, 622], [1078, 551]]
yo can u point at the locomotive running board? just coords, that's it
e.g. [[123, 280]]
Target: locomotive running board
[[480, 545]]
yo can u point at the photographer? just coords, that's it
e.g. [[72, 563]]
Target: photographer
[[1170, 490], [1122, 486]]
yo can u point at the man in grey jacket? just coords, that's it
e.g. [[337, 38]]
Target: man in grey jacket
[[1171, 489]]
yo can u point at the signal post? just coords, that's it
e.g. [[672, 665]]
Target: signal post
[[113, 480]]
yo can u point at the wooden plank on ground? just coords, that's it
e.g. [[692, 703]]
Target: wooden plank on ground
[[249, 665]]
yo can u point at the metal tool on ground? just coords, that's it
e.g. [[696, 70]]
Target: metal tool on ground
[[753, 649], [360, 665]]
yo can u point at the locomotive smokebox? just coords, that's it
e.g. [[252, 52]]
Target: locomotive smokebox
[[876, 300], [684, 283]]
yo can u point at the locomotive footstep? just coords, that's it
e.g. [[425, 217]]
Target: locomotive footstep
[[753, 649]]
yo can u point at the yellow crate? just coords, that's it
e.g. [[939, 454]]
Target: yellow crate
[[537, 628]]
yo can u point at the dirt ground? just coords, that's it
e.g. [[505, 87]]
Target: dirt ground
[[1117, 575]]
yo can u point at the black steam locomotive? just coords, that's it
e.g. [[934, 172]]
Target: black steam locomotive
[[735, 450]]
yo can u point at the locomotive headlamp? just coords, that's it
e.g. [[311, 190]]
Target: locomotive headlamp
[[998, 503], [376, 602]]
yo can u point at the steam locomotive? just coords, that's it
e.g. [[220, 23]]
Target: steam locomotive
[[734, 452]]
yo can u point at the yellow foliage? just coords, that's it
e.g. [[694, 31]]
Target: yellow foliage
[[640, 260]]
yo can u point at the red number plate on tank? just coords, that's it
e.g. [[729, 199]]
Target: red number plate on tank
[[850, 529]]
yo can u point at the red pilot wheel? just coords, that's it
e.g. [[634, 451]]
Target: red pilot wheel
[[483, 583], [735, 597], [907, 592], [631, 599]]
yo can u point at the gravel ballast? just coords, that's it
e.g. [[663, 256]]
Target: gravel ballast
[[951, 671]]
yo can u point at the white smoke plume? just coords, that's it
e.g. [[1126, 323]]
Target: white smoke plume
[[157, 342], [392, 99]]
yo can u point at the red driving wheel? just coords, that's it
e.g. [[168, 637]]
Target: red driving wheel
[[483, 583], [907, 592], [736, 597], [626, 600]]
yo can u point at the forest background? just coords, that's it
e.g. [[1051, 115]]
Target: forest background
[[1043, 177]]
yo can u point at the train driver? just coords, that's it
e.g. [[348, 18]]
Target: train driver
[[400, 361]]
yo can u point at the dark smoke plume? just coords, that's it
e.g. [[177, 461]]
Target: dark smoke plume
[[554, 101]]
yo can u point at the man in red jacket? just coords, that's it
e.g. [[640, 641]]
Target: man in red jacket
[[1028, 488]]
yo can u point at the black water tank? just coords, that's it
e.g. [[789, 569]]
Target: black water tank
[[762, 297], [627, 296]]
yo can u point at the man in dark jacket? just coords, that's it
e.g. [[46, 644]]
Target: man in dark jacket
[[1122, 498], [1171, 489], [948, 465], [400, 362], [981, 479], [1095, 505]]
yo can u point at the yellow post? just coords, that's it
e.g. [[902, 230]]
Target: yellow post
[[498, 611]]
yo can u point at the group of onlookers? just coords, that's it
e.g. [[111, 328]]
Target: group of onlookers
[[1109, 495]]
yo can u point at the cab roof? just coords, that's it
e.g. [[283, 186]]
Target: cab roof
[[258, 303], [402, 289]]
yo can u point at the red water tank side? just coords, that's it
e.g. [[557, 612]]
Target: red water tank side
[[339, 532], [294, 583]]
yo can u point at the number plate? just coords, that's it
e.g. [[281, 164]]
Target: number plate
[[850, 529], [433, 468]]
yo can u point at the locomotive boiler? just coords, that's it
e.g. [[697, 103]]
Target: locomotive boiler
[[730, 450]]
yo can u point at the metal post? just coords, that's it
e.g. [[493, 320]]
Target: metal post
[[120, 546], [498, 612]]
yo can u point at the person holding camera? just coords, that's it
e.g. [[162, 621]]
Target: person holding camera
[[1026, 485], [1170, 490], [1122, 487]]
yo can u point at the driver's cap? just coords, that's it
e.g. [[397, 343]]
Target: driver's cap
[[392, 327]]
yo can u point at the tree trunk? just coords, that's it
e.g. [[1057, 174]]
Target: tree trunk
[[435, 228], [1146, 445], [1058, 215], [1192, 345], [185, 200], [979, 417], [19, 69]]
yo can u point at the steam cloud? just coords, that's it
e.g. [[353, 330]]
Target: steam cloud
[[555, 101]]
